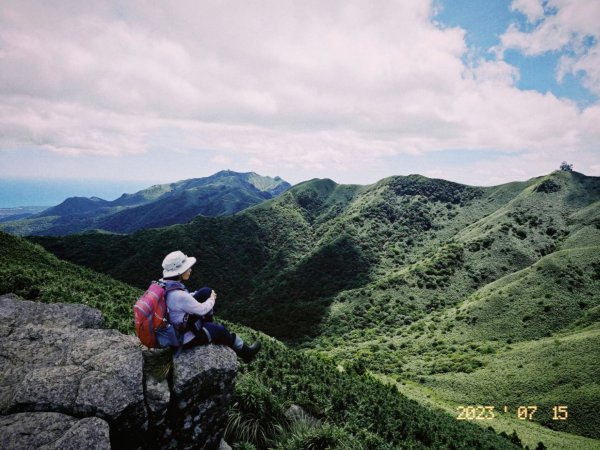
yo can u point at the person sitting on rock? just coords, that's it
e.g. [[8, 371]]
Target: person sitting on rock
[[192, 313]]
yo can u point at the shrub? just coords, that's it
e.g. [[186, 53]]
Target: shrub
[[308, 435], [255, 413]]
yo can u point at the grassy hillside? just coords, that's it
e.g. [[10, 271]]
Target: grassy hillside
[[34, 274], [544, 298], [347, 409], [546, 373], [529, 337], [530, 432], [409, 277]]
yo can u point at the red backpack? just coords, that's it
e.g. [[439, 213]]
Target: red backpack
[[151, 318]]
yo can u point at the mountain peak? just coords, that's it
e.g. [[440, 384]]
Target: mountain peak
[[75, 205], [223, 193]]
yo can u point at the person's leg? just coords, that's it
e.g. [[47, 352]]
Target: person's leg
[[202, 295], [221, 335], [200, 338]]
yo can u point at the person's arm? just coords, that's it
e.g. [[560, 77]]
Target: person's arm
[[191, 306]]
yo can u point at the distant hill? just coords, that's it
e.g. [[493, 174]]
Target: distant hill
[[413, 278], [223, 193], [19, 212]]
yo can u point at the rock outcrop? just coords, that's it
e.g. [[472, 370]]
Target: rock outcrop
[[190, 406], [65, 382], [53, 431]]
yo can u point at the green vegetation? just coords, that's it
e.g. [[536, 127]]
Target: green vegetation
[[34, 274], [345, 410], [420, 280], [537, 301], [558, 370], [530, 433]]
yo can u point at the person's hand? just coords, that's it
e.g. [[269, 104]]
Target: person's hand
[[213, 295]]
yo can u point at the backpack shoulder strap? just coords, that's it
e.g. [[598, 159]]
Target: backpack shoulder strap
[[169, 286]]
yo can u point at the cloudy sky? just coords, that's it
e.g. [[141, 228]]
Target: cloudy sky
[[350, 90]]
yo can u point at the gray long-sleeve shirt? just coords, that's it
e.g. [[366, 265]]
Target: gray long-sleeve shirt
[[180, 303]]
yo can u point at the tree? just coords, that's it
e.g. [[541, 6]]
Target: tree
[[566, 166]]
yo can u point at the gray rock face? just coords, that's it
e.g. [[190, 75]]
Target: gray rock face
[[70, 381], [13, 311], [203, 380], [224, 445], [158, 366], [52, 359], [53, 431]]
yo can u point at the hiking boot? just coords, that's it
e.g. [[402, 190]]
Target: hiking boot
[[248, 352]]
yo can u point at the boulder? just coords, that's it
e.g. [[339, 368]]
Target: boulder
[[202, 387], [54, 359], [53, 431], [61, 369], [14, 311], [158, 366], [188, 395]]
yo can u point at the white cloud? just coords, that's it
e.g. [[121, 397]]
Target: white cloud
[[303, 86], [494, 72], [221, 160], [588, 65], [533, 9], [565, 25]]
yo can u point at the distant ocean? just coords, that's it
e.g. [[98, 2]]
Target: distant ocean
[[49, 192]]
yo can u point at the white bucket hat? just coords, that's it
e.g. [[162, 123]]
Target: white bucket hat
[[176, 263]]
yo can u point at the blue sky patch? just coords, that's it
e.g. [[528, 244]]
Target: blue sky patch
[[487, 21]]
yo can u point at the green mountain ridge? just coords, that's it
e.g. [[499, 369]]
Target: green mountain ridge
[[409, 277], [223, 193]]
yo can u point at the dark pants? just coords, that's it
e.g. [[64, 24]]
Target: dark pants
[[218, 335]]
